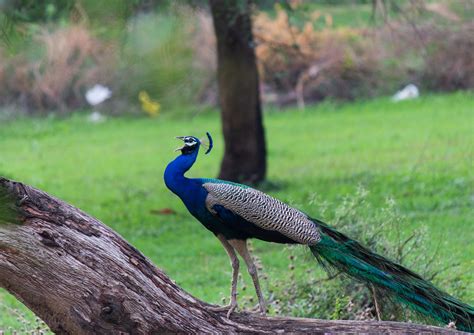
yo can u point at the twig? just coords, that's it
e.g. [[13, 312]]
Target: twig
[[400, 248], [377, 308]]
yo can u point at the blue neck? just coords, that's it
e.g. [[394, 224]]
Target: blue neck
[[174, 175]]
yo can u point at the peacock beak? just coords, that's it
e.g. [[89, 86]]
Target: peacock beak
[[182, 139]]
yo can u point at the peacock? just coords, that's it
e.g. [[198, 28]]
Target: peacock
[[236, 213]]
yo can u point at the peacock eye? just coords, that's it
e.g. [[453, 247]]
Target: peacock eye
[[190, 141]]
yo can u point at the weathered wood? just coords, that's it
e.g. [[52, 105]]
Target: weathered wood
[[80, 277]]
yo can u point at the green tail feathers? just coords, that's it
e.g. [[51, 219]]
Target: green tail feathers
[[335, 250]]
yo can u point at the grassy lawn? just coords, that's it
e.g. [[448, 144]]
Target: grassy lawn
[[420, 152], [359, 15]]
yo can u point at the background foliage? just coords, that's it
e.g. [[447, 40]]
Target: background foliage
[[307, 51]]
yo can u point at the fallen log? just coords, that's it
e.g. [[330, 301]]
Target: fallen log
[[80, 277]]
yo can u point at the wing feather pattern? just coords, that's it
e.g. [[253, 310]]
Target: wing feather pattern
[[263, 211]]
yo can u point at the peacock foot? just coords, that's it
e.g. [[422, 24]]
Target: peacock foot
[[229, 308], [258, 309]]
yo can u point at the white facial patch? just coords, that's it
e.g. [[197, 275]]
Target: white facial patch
[[189, 141]]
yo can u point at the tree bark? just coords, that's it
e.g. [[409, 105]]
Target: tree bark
[[239, 98], [80, 277]]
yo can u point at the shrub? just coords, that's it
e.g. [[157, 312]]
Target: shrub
[[69, 60], [171, 55], [449, 64], [62, 62], [158, 57], [34, 11], [337, 63], [299, 63]]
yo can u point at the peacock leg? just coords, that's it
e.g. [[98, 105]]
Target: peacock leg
[[234, 261], [241, 247]]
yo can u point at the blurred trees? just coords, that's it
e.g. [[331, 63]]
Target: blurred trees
[[239, 99], [34, 10], [306, 51]]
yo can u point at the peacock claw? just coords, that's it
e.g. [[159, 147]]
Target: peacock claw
[[259, 310], [229, 308], [219, 308]]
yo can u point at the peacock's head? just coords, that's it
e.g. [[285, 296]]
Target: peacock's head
[[192, 144]]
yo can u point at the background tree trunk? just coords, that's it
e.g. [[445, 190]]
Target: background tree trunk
[[80, 277], [239, 98]]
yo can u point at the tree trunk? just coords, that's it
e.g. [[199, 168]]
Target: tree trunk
[[239, 98], [80, 277]]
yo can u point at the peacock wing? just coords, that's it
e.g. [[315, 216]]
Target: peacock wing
[[261, 210]]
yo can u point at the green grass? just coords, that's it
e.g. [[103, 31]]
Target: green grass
[[322, 15], [353, 14], [420, 152]]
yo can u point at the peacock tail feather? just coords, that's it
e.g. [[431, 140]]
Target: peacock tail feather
[[336, 250]]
